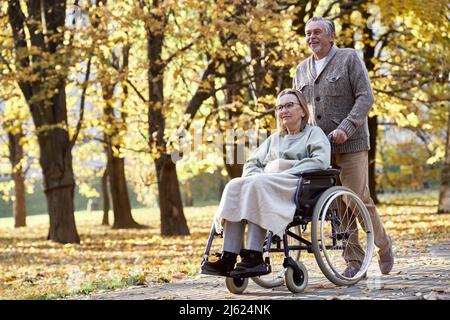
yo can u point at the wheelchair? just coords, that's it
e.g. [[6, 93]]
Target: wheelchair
[[341, 229]]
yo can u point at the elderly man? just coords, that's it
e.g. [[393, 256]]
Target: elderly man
[[336, 85]]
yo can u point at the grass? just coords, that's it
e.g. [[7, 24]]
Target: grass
[[34, 268], [90, 287]]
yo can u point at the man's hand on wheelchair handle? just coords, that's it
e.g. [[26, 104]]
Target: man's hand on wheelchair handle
[[337, 136]]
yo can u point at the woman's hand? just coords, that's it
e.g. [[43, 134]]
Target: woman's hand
[[277, 166]]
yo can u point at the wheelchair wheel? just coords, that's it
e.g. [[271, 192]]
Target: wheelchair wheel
[[296, 282], [236, 285], [342, 233], [276, 277]]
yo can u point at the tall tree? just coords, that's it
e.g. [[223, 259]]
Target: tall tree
[[411, 71], [15, 139], [114, 131], [369, 56], [41, 60], [173, 221], [107, 49], [233, 67], [14, 120], [444, 194], [105, 194], [18, 175]]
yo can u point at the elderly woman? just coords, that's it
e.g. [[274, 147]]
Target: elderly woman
[[263, 197]]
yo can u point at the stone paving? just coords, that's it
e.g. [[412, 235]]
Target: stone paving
[[418, 274]]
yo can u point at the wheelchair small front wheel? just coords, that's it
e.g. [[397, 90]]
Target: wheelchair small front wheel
[[296, 282], [236, 285], [276, 277]]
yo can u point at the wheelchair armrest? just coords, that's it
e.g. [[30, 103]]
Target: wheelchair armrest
[[330, 172]]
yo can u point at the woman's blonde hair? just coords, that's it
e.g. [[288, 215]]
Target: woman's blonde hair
[[307, 119]]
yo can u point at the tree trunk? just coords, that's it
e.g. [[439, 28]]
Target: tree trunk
[[444, 194], [123, 218], [173, 221], [369, 54], [373, 131], [49, 113], [105, 193], [233, 94], [59, 184], [222, 184], [56, 162], [62, 220], [119, 194], [234, 170], [116, 165], [19, 207], [18, 176], [303, 11], [188, 199]]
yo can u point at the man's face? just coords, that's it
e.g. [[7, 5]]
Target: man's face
[[317, 38]]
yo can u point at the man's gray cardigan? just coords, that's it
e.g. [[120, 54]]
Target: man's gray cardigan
[[340, 96]]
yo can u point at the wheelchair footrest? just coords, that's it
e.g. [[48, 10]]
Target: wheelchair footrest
[[259, 270], [206, 271]]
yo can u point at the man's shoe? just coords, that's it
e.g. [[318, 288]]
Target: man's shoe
[[386, 261], [351, 270], [251, 265], [221, 267]]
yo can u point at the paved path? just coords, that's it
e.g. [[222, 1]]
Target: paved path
[[419, 273]]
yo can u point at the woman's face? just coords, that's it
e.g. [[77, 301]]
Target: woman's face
[[290, 112]]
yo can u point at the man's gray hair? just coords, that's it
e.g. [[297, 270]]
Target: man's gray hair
[[329, 24]]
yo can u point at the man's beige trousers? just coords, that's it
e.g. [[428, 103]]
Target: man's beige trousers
[[355, 176]]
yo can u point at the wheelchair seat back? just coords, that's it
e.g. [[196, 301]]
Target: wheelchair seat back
[[310, 187]]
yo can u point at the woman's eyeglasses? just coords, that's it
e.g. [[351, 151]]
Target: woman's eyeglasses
[[286, 106]]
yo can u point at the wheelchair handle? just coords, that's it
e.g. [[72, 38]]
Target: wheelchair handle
[[330, 137]]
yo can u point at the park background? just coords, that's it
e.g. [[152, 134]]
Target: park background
[[94, 96]]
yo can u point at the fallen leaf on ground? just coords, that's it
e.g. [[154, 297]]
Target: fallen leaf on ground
[[396, 287], [345, 297]]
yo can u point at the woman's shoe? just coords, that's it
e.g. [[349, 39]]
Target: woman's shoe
[[221, 267], [251, 265]]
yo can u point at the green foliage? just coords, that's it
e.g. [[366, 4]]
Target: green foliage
[[403, 167]]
